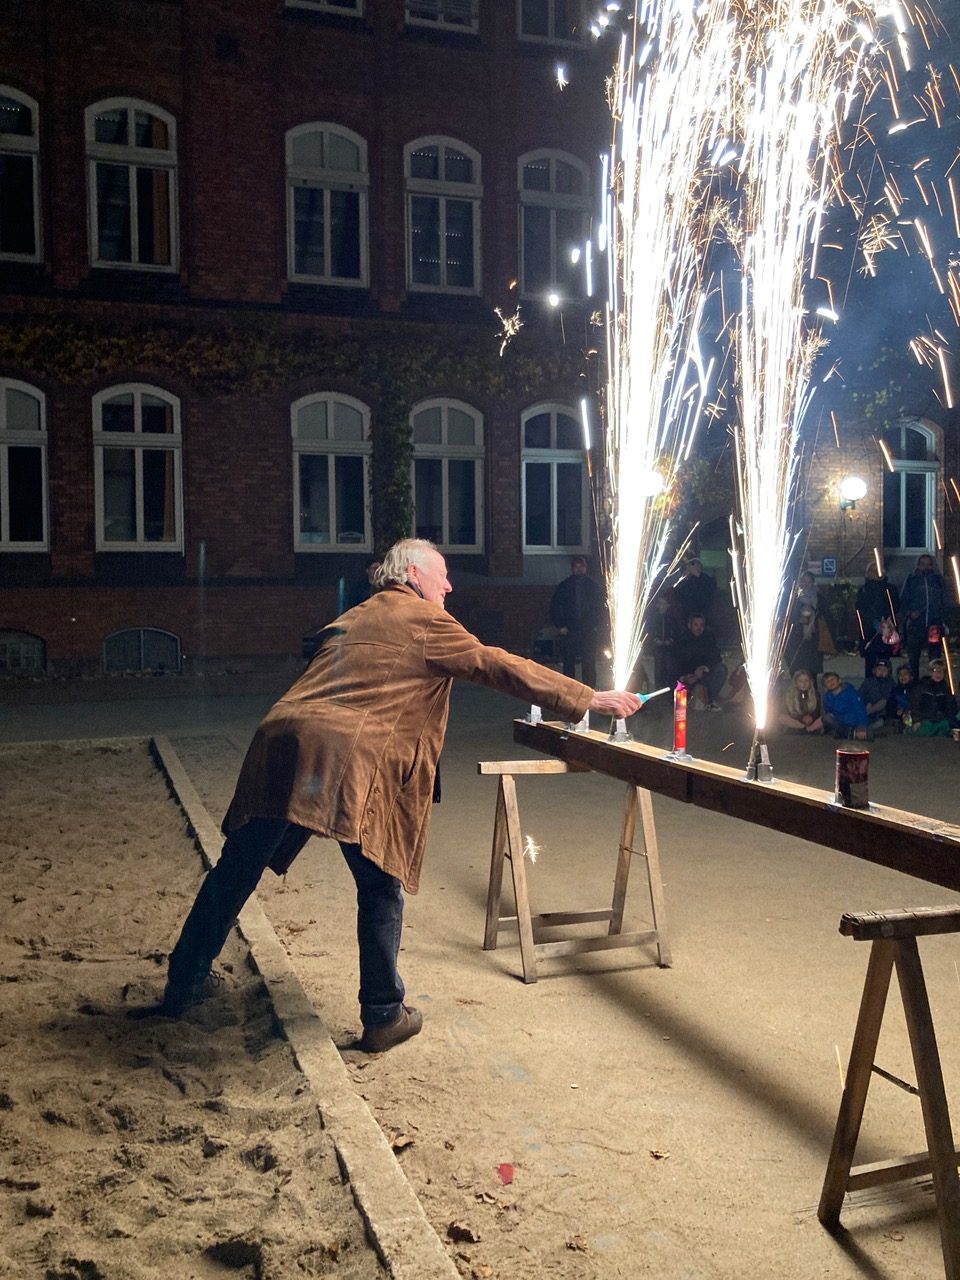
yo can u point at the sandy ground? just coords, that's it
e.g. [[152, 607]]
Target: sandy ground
[[132, 1149], [658, 1122]]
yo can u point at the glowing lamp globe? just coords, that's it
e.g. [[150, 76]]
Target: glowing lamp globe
[[852, 489]]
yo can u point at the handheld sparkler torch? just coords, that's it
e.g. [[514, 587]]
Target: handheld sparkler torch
[[618, 730]]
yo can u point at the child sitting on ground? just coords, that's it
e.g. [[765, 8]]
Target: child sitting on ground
[[843, 711], [875, 692], [898, 704], [932, 705], [800, 711]]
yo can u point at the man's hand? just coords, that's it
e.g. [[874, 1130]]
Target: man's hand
[[615, 702]]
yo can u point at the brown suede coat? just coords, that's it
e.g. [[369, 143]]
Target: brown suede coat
[[351, 750]]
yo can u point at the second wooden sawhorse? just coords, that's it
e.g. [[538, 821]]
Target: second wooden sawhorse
[[508, 843]]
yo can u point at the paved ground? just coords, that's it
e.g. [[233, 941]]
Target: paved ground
[[659, 1122]]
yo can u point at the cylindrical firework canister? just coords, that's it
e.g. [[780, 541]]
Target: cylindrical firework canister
[[853, 766], [680, 719]]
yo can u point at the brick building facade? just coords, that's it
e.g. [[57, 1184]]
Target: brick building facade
[[250, 252]]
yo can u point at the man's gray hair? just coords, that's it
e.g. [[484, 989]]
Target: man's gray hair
[[401, 555]]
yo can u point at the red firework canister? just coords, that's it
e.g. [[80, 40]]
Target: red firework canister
[[853, 765], [680, 719]]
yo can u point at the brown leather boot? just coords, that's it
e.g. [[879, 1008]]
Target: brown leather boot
[[380, 1039]]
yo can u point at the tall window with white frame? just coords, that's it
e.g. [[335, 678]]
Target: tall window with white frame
[[910, 489], [19, 187], [443, 216], [447, 15], [327, 183], [23, 467], [554, 21], [556, 487], [554, 220], [132, 179], [448, 474], [331, 474], [139, 487]]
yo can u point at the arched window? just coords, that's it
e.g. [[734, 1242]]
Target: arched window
[[447, 15], [910, 488], [556, 489], [23, 467], [443, 215], [132, 164], [141, 649], [327, 183], [554, 220], [19, 153], [448, 474], [136, 437], [548, 20], [21, 653], [331, 480]]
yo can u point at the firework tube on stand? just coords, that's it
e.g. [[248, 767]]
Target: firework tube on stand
[[679, 751]]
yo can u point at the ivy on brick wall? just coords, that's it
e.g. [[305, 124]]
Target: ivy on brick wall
[[264, 353]]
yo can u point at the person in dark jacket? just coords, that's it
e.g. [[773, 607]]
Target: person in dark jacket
[[876, 691], [578, 611], [898, 704], [698, 665], [664, 628], [932, 705], [696, 590], [878, 606], [922, 604]]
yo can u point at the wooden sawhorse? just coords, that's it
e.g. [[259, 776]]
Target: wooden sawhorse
[[508, 842], [894, 937]]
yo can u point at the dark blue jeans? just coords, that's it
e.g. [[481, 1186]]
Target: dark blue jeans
[[229, 884]]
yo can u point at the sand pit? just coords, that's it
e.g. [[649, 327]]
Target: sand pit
[[133, 1149]]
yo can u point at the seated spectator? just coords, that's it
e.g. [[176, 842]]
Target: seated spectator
[[800, 711], [843, 711], [876, 690], [933, 707], [898, 704], [698, 665]]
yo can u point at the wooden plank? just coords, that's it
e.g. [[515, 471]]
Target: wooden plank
[[528, 766], [920, 921], [654, 879], [898, 1169], [918, 846], [528, 956], [550, 919], [607, 942], [495, 886], [624, 859]]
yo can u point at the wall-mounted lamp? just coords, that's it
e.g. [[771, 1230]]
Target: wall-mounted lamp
[[852, 489]]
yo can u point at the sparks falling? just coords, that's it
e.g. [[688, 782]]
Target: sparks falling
[[669, 101], [804, 63]]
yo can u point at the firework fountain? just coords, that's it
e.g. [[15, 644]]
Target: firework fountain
[[670, 106], [804, 63]]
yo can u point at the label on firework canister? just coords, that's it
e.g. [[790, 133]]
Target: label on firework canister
[[853, 766]]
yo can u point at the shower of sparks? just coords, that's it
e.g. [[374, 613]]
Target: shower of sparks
[[670, 106], [805, 63], [956, 573], [946, 658], [531, 850], [510, 327]]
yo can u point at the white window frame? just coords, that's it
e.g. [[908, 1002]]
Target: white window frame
[[327, 180], [446, 453], [352, 9], [133, 157], [443, 190], [554, 201], [553, 456], [930, 467], [16, 144], [332, 449], [566, 41], [138, 440], [442, 22], [32, 439]]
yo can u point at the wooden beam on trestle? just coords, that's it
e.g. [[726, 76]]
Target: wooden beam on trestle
[[918, 846]]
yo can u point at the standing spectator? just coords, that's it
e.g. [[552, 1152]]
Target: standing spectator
[[800, 711], [876, 690], [698, 665], [808, 596], [696, 590], [932, 705], [898, 704], [664, 629], [878, 603], [843, 711], [922, 603], [578, 611], [802, 652]]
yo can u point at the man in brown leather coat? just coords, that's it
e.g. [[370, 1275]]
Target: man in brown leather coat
[[351, 752]]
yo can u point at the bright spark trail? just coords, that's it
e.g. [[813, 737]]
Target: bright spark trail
[[670, 107]]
